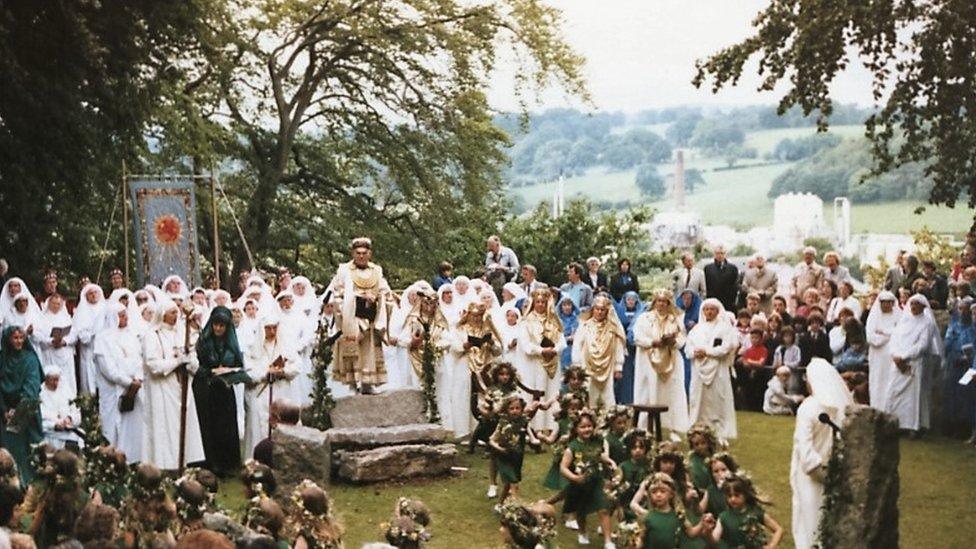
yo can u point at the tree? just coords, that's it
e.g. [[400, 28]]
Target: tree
[[680, 132], [921, 59], [650, 183], [713, 135], [693, 179]]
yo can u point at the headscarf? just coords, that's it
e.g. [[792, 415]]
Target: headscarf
[[626, 317], [7, 300], [50, 320], [90, 316], [516, 291], [691, 312], [155, 292], [213, 351], [878, 319], [116, 297], [468, 297], [599, 352], [914, 328], [452, 310], [543, 326], [306, 303], [30, 317], [705, 332], [181, 288], [415, 323], [20, 372], [829, 389], [221, 294]]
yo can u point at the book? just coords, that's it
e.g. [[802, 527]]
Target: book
[[547, 343], [60, 332], [365, 309], [475, 341]]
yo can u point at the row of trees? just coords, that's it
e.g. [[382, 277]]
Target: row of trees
[[328, 119]]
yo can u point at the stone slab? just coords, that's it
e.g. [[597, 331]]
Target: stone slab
[[353, 437], [396, 462], [300, 452], [387, 409]]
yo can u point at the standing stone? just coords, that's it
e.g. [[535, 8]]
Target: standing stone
[[300, 453], [861, 493]]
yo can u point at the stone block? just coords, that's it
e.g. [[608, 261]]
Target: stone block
[[388, 409], [861, 508], [367, 437], [396, 462], [299, 453]]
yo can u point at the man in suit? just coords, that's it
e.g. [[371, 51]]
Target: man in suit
[[595, 278], [896, 274], [722, 279], [760, 281], [529, 283], [687, 276]]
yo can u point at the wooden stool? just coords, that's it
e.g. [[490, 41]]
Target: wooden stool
[[653, 420]]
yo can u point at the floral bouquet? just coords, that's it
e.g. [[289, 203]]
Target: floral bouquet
[[627, 535], [25, 413]]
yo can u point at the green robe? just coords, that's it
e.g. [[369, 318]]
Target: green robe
[[512, 433], [587, 497], [634, 474], [20, 388], [618, 451], [733, 536], [554, 479], [701, 478], [662, 529]]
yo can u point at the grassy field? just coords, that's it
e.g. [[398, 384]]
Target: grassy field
[[935, 504], [766, 140]]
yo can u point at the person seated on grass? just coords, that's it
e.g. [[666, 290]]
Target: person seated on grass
[[778, 401]]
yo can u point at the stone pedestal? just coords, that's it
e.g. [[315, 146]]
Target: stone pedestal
[[861, 499], [301, 453], [386, 436]]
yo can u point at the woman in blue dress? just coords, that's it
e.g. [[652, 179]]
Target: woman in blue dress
[[959, 340], [628, 308], [688, 302], [568, 314]]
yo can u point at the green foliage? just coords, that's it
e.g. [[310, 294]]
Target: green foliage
[[680, 132], [637, 146], [318, 414], [840, 171], [650, 183], [550, 244], [933, 247], [742, 250], [717, 134], [922, 76], [693, 180], [791, 150]]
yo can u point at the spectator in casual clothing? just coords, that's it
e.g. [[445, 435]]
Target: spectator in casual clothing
[[911, 273], [721, 279], [833, 270], [501, 264], [760, 281], [781, 308], [529, 283], [854, 357], [689, 277], [806, 274], [788, 354], [837, 335], [777, 401], [815, 343], [445, 275], [938, 293], [811, 298], [595, 277], [575, 288], [750, 371], [623, 281]]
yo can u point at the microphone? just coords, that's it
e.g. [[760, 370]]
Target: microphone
[[825, 419]]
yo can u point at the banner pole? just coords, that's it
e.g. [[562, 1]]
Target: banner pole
[[216, 232], [125, 221]]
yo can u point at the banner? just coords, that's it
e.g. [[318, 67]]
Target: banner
[[165, 229]]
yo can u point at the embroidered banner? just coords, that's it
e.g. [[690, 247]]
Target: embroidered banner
[[165, 229]]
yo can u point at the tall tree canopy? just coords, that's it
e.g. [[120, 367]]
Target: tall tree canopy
[[920, 53]]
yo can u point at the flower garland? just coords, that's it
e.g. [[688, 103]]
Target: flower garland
[[408, 528], [430, 356], [754, 531], [319, 415], [526, 527], [91, 424], [316, 528], [628, 534], [26, 412]]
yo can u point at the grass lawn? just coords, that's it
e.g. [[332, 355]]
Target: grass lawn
[[766, 140], [937, 486]]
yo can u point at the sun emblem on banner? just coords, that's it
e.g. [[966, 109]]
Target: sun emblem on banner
[[168, 230]]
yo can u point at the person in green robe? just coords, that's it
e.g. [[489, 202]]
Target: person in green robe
[[745, 523], [582, 465], [703, 444], [617, 420], [508, 442], [664, 522], [221, 366], [634, 470], [669, 461], [722, 466], [20, 404]]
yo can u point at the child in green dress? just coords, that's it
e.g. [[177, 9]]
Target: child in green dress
[[672, 463], [701, 440], [665, 523], [617, 420], [502, 385], [582, 465], [574, 382], [634, 470], [569, 405], [508, 442], [722, 466], [744, 522]]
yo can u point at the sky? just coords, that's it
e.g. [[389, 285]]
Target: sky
[[641, 54]]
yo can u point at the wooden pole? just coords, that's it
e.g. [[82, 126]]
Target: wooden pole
[[216, 232], [125, 221]]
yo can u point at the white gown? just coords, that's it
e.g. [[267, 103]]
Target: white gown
[[812, 443], [880, 366], [56, 405], [908, 394], [118, 361], [256, 363], [297, 333], [162, 398], [651, 388], [601, 393], [63, 357], [529, 365], [710, 394]]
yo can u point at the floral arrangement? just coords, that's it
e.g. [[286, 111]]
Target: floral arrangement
[[319, 416], [510, 431], [627, 535], [108, 474], [408, 528], [755, 533], [525, 525], [429, 358], [311, 517], [26, 412]]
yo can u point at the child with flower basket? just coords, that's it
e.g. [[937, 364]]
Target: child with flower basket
[[582, 465]]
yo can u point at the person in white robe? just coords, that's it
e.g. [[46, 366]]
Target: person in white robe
[[812, 444], [426, 324], [463, 292], [396, 355], [711, 346], [916, 348], [477, 343], [56, 341], [600, 347], [777, 401], [508, 327], [221, 298], [24, 314], [12, 288], [881, 323], [512, 295], [166, 359], [272, 366], [539, 344], [118, 361], [659, 372], [173, 284], [88, 321], [297, 332], [58, 416], [449, 304], [247, 331]]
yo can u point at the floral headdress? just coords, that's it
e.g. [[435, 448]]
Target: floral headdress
[[528, 526], [616, 411], [700, 429], [258, 478], [311, 517]]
